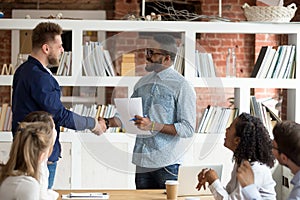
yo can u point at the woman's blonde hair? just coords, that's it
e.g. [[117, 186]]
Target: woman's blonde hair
[[41, 116], [31, 140]]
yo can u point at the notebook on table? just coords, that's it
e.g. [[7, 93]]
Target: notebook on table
[[188, 179]]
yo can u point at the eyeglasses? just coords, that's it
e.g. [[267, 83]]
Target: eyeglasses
[[150, 52]]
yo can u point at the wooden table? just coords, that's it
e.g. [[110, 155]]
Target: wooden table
[[133, 194]]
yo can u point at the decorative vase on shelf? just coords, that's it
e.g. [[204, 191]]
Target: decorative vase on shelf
[[231, 63]]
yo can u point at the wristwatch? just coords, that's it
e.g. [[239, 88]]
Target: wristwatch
[[106, 123]]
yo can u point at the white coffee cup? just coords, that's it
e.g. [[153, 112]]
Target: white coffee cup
[[172, 189]]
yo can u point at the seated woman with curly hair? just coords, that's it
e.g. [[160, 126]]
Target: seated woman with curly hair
[[249, 140]]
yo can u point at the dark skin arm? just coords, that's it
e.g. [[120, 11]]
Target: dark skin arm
[[144, 123], [113, 122]]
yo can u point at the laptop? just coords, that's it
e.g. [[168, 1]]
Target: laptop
[[188, 179]]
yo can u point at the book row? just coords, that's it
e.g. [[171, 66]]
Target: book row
[[95, 111], [5, 117], [275, 62], [65, 63], [96, 60], [216, 119], [268, 116], [204, 65]]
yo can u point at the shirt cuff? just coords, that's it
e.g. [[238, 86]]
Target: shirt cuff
[[95, 126], [216, 186]]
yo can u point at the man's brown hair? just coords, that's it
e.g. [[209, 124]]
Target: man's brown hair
[[44, 32]]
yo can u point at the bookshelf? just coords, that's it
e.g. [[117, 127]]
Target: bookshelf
[[241, 86]]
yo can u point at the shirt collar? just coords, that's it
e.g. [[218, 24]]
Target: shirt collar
[[164, 73], [38, 63], [296, 179], [48, 70]]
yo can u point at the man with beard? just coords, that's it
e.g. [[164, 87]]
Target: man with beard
[[169, 106], [35, 89], [286, 148]]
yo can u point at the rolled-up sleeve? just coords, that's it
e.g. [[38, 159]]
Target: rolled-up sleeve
[[186, 111]]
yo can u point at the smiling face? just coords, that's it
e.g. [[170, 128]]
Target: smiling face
[[154, 59], [231, 141], [157, 57]]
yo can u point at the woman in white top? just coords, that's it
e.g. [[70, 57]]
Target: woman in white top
[[249, 140], [42, 116], [19, 176]]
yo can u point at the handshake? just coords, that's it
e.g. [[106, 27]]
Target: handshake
[[101, 125]]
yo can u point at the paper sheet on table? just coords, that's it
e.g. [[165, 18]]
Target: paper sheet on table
[[128, 108], [85, 196]]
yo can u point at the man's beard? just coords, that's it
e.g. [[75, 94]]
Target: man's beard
[[53, 61], [153, 65]]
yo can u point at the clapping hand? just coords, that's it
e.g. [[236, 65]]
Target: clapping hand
[[245, 174], [206, 175]]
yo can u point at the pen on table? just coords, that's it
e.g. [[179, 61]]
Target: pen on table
[[134, 119]]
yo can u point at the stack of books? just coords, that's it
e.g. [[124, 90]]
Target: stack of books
[[106, 111], [96, 60], [204, 65], [96, 111], [275, 62], [216, 119], [5, 117], [179, 59], [268, 116], [65, 63]]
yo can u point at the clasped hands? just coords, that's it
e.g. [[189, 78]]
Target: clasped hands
[[245, 175], [100, 126], [143, 123], [206, 176]]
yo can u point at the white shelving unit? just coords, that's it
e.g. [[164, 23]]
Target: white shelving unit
[[93, 162], [242, 86]]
